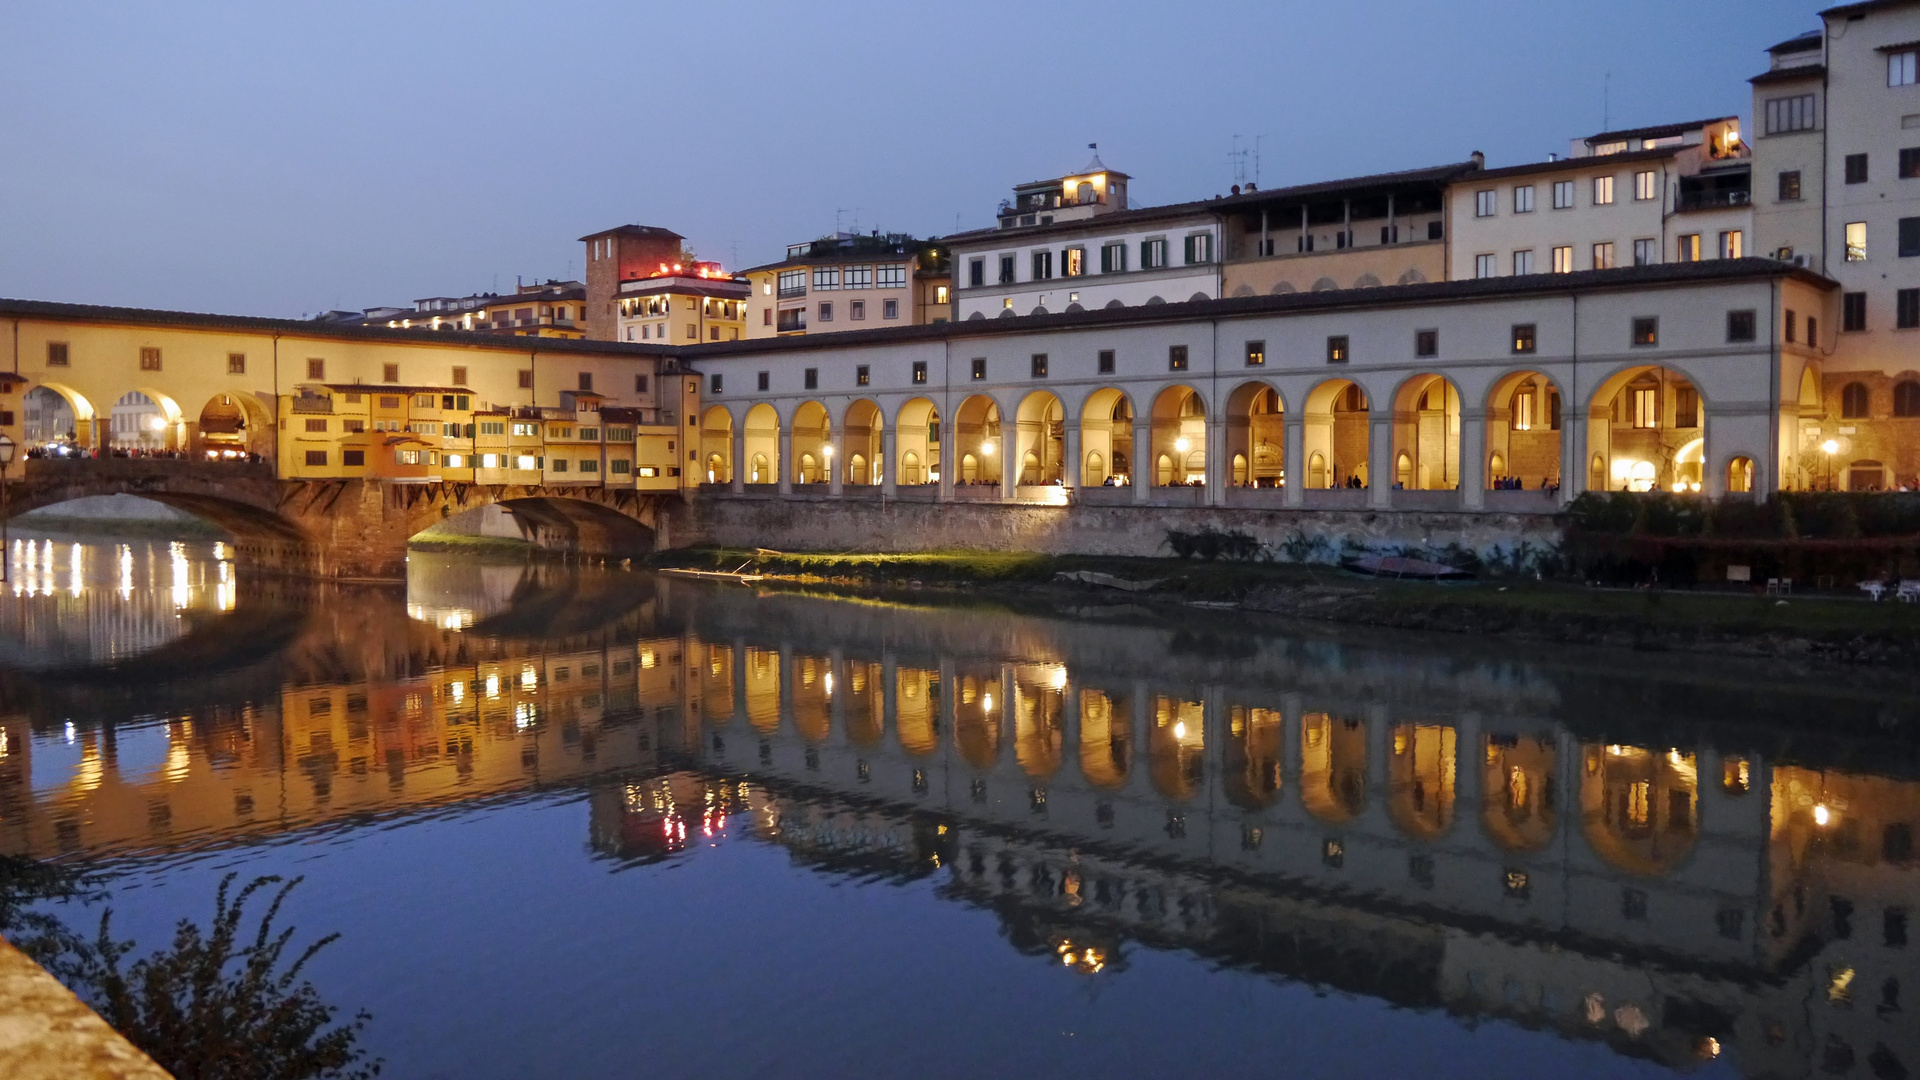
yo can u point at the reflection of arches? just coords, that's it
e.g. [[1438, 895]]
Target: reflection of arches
[[1106, 740], [976, 721], [763, 688], [761, 431], [860, 439], [1638, 807], [716, 445], [1176, 747], [1256, 435], [1518, 805], [1336, 429], [1421, 779], [1333, 767], [1039, 723], [917, 441], [1523, 429], [916, 710], [976, 431], [1254, 752], [865, 704], [1041, 438], [812, 435], [1179, 437], [812, 691], [1106, 436]]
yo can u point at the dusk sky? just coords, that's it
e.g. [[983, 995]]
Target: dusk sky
[[281, 159]]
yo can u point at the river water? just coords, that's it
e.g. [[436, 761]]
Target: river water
[[584, 824]]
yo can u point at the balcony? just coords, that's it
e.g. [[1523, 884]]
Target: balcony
[[1713, 200]]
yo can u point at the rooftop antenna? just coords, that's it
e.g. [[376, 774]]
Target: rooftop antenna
[[1606, 103], [1237, 158], [836, 222]]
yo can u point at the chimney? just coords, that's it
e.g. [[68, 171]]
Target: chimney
[[1479, 159]]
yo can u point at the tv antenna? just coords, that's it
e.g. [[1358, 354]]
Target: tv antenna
[[1244, 160]]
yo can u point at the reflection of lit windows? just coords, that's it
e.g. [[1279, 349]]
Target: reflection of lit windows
[[529, 678], [493, 686], [1518, 885], [1333, 852], [1839, 985], [1639, 803], [524, 715]]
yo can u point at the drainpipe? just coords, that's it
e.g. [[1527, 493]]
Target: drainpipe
[[1576, 437], [1773, 391]]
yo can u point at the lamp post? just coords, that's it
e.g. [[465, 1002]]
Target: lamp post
[[7, 447], [1830, 448]]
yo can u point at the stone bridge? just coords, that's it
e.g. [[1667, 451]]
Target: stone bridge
[[345, 528]]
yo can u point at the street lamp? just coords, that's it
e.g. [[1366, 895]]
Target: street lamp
[[1830, 447], [7, 447]]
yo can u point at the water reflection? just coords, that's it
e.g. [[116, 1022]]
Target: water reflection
[[1304, 809], [69, 603]]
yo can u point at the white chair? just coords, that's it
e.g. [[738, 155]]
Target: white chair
[[1909, 592], [1874, 589]]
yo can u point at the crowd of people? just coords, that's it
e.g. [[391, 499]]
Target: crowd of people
[[1515, 483], [66, 448]]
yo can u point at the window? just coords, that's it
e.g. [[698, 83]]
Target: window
[[1337, 349], [862, 375], [714, 383], [856, 310], [619, 434], [890, 277], [1563, 259], [316, 457], [1733, 244], [1603, 191], [1524, 338], [763, 379], [1042, 265], [1909, 237], [1603, 256], [1910, 163], [977, 272], [889, 309], [811, 378], [56, 354], [1523, 199], [979, 368], [1813, 331], [1006, 270], [859, 277], [1426, 343], [1563, 195], [640, 384], [316, 425], [1646, 252], [1484, 266], [793, 283], [1522, 263], [559, 464], [1200, 249], [919, 371], [1256, 354], [1906, 398], [826, 311], [1853, 402], [1686, 407], [1153, 253], [1484, 203], [236, 363], [1073, 261], [1113, 258], [1039, 365], [149, 359], [1853, 312], [1646, 408], [1688, 249], [1790, 185], [526, 378], [1790, 114], [1790, 333], [1856, 168], [352, 458], [459, 376], [1106, 361], [1741, 326], [826, 277], [766, 319], [1646, 186], [493, 427], [1906, 309], [620, 465], [648, 472], [1176, 358], [1646, 331]]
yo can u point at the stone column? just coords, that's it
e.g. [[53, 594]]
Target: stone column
[[785, 467], [1219, 469], [886, 464], [1008, 450], [1294, 460], [1142, 460], [739, 484], [949, 457], [1070, 468], [1473, 458], [1380, 459], [836, 463]]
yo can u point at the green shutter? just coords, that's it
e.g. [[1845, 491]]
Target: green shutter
[[1189, 251]]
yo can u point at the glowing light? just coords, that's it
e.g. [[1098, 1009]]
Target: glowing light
[[182, 590], [524, 715], [1831, 446], [458, 691], [493, 687], [1180, 730], [986, 703], [74, 562], [529, 678], [986, 448], [1821, 815], [69, 733], [829, 684], [1181, 445], [1058, 680], [826, 450]]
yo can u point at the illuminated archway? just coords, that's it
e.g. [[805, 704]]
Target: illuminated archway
[[1106, 438], [716, 446], [1040, 443], [916, 709], [57, 413], [1426, 433], [976, 434], [812, 443], [1176, 747], [1421, 772], [1179, 437], [1642, 424], [233, 425], [861, 444], [1255, 747], [865, 705], [1256, 435], [1039, 718], [1519, 791], [762, 679], [976, 719], [812, 696], [1106, 739], [1336, 418], [762, 438], [1523, 431], [917, 440]]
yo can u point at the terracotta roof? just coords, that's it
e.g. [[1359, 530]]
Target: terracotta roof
[[648, 232], [1788, 74]]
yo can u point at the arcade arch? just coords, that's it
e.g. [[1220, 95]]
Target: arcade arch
[[1256, 436], [1646, 428], [1421, 773], [761, 444], [716, 446], [1426, 434], [976, 434], [1176, 747], [976, 719], [1039, 718], [1518, 800], [1255, 748], [1336, 418], [917, 441], [1106, 439], [1523, 431], [1040, 441], [1106, 739], [1179, 438], [861, 444], [234, 425], [1333, 767], [812, 444]]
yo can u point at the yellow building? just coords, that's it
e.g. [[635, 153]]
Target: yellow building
[[552, 309], [850, 282]]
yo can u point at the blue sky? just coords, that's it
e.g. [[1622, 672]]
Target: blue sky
[[277, 159]]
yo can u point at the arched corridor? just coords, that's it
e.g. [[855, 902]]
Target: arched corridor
[[861, 444], [1040, 446], [1179, 447], [917, 442], [976, 434], [812, 444], [1333, 766], [1426, 435], [1518, 791], [1255, 748], [1523, 432], [1176, 747], [1106, 439], [1256, 437], [1645, 432], [1421, 775], [1106, 739], [716, 446], [762, 445], [1337, 435]]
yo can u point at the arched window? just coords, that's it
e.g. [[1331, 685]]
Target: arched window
[[1853, 401], [1496, 465], [910, 468], [1096, 470], [1403, 473], [1163, 471], [1906, 398], [1597, 474], [759, 473], [1317, 470], [1239, 470], [1740, 475]]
